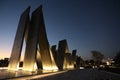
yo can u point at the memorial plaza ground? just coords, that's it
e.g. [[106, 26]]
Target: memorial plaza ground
[[78, 74]]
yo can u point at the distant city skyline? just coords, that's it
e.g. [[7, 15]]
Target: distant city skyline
[[86, 24]]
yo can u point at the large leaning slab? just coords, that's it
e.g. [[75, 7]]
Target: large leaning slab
[[45, 51], [18, 42], [62, 50], [31, 44]]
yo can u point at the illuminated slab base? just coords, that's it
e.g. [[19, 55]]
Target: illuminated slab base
[[68, 63]]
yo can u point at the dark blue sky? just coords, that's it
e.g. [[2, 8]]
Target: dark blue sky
[[86, 24]]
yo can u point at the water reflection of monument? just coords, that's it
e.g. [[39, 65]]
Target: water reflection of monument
[[38, 54]]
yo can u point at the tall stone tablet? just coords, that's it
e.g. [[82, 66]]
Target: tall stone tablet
[[37, 39], [18, 42], [45, 51], [31, 43], [62, 49]]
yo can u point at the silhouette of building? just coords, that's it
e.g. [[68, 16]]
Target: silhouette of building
[[4, 62]]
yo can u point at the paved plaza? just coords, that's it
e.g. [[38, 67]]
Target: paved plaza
[[86, 74], [80, 74]]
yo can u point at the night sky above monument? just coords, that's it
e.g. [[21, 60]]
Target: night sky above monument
[[86, 24]]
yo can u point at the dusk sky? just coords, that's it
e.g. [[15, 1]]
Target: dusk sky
[[86, 24]]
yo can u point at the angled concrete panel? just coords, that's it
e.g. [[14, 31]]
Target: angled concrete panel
[[38, 60], [74, 57], [68, 64], [62, 49], [18, 42], [32, 42], [54, 52], [45, 50], [74, 52]]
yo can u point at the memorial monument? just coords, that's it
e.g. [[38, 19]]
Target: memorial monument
[[37, 51], [38, 54]]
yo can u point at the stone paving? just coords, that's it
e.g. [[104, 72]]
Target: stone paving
[[84, 74], [79, 74]]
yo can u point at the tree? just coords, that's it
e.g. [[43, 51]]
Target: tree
[[97, 57], [117, 59], [92, 62], [79, 62]]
